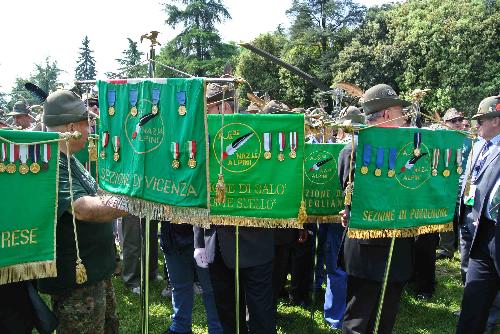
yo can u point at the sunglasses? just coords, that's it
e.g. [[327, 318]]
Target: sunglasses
[[480, 121], [93, 104], [456, 120]]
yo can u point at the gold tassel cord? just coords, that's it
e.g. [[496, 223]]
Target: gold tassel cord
[[81, 272], [399, 233], [255, 222], [220, 191], [302, 218]]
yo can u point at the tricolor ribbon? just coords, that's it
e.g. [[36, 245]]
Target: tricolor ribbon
[[267, 141], [293, 141], [14, 153], [435, 161], [459, 160], [23, 153], [447, 158], [3, 155], [104, 139], [46, 153], [192, 149], [175, 150], [281, 141], [116, 143]]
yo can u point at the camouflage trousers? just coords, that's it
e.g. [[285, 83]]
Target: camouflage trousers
[[87, 310]]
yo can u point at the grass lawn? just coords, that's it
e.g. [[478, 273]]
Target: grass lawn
[[414, 316]]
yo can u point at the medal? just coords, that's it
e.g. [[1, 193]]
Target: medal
[[282, 144], [435, 161], [13, 156], [181, 99], [111, 102], [104, 143], [116, 148], [34, 157], [156, 98], [446, 171], [92, 150], [459, 161], [132, 98], [367, 156], [392, 161], [175, 154], [3, 156], [379, 161], [192, 154], [293, 145], [46, 157], [267, 136], [417, 140]]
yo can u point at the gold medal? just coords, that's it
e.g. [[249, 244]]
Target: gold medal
[[391, 173], [35, 168], [459, 170], [11, 168], [446, 173], [23, 168], [154, 110], [292, 154], [267, 155], [133, 111], [192, 163], [281, 156], [416, 152], [182, 110], [175, 164], [111, 110], [434, 172], [116, 156], [364, 169], [103, 154], [2, 167], [378, 172]]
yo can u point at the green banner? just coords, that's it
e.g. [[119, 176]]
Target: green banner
[[28, 183], [262, 164], [152, 147], [322, 190], [406, 182]]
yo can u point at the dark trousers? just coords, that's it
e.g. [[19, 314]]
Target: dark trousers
[[16, 311], [256, 290], [425, 262], [301, 270], [363, 298], [482, 282], [280, 269]]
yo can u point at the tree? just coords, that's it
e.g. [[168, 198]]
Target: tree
[[131, 66], [198, 49], [85, 68]]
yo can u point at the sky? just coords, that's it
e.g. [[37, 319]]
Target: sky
[[32, 30]]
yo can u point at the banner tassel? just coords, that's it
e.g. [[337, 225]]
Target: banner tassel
[[302, 218], [81, 272], [220, 190]]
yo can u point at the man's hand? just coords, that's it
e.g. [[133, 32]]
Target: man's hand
[[344, 217], [302, 236], [200, 257]]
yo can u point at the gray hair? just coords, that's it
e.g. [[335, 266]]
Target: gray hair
[[374, 116]]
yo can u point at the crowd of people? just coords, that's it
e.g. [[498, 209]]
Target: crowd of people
[[349, 272]]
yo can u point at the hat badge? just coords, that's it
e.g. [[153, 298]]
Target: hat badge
[[390, 92]]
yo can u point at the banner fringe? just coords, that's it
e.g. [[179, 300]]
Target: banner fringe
[[28, 271], [175, 214], [255, 222], [334, 219], [399, 233]]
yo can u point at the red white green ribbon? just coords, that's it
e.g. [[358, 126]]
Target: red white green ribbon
[[435, 158], [4, 151], [46, 152], [105, 140], [293, 141], [116, 143], [14, 153], [175, 150], [192, 149]]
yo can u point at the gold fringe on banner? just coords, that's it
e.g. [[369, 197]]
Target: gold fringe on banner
[[139, 207], [334, 219], [27, 271], [399, 233], [255, 222]]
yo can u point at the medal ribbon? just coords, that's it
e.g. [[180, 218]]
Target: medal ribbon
[[14, 153], [380, 158], [132, 96], [435, 158], [23, 153], [459, 157], [4, 152], [181, 98], [34, 151], [116, 143], [46, 152], [192, 148], [293, 141], [267, 141], [105, 139], [392, 157], [367, 154], [111, 97], [417, 139], [155, 95], [448, 156], [281, 140], [175, 150]]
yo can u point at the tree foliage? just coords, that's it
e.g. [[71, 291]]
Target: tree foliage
[[130, 64], [198, 49], [85, 65]]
